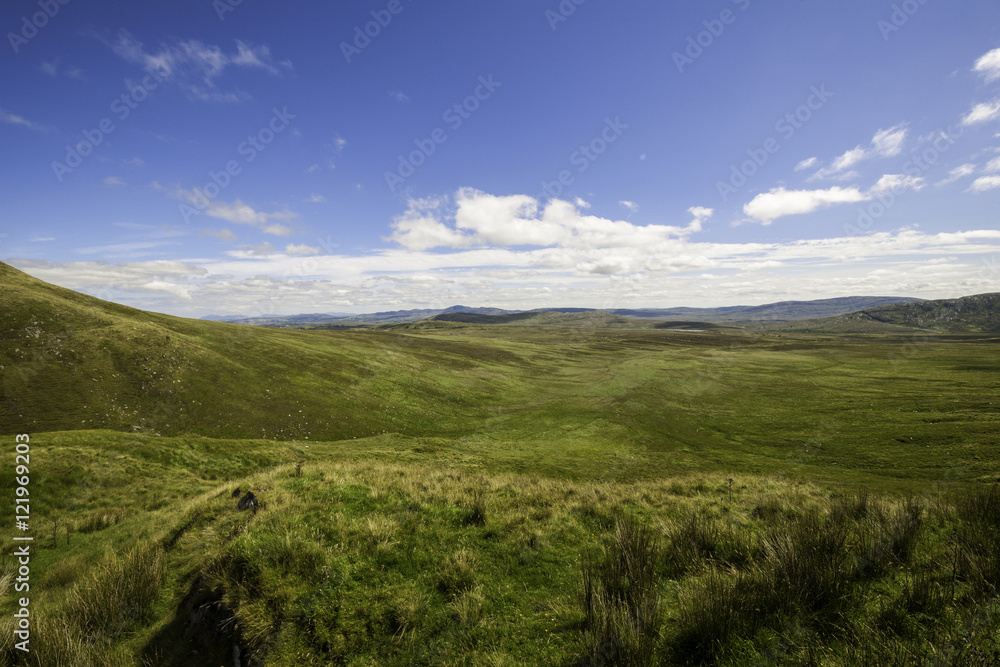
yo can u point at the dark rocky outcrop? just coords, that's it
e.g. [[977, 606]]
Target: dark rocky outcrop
[[248, 502]]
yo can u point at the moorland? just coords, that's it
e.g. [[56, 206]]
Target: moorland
[[561, 489]]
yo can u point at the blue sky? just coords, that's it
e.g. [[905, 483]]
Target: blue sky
[[255, 158]]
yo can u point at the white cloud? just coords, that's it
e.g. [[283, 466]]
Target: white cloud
[[399, 96], [898, 182], [779, 202], [42, 239], [236, 212], [315, 199], [982, 113], [889, 143], [134, 249], [985, 183], [253, 250], [680, 271], [277, 230], [482, 219], [311, 168], [989, 65], [419, 229], [14, 119], [957, 173], [808, 163], [993, 165], [301, 249], [51, 67], [629, 205], [112, 181], [194, 65], [885, 143]]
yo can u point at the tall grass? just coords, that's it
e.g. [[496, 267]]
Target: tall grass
[[621, 598], [977, 540], [119, 594]]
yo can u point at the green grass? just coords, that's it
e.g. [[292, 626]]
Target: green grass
[[499, 495]]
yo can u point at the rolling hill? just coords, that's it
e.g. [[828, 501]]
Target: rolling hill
[[971, 314], [441, 494], [782, 311], [70, 361]]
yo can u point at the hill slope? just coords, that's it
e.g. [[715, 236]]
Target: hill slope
[[70, 361], [971, 314], [978, 313]]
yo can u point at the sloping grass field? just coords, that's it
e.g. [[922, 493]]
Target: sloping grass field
[[466, 494]]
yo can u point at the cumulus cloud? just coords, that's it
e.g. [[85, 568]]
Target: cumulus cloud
[[989, 65], [779, 202], [629, 205], [194, 65], [112, 181], [985, 183], [767, 207], [982, 113], [885, 143], [419, 229], [315, 199], [481, 219]]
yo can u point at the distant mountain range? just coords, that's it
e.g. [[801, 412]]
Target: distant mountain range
[[783, 311]]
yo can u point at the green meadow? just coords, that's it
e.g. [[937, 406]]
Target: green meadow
[[572, 492]]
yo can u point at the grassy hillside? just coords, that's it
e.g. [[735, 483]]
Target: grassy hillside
[[980, 313], [391, 552], [466, 494], [970, 314]]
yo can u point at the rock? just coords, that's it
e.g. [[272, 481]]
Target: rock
[[236, 492], [248, 502]]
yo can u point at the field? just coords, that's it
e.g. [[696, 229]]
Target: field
[[468, 494]]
